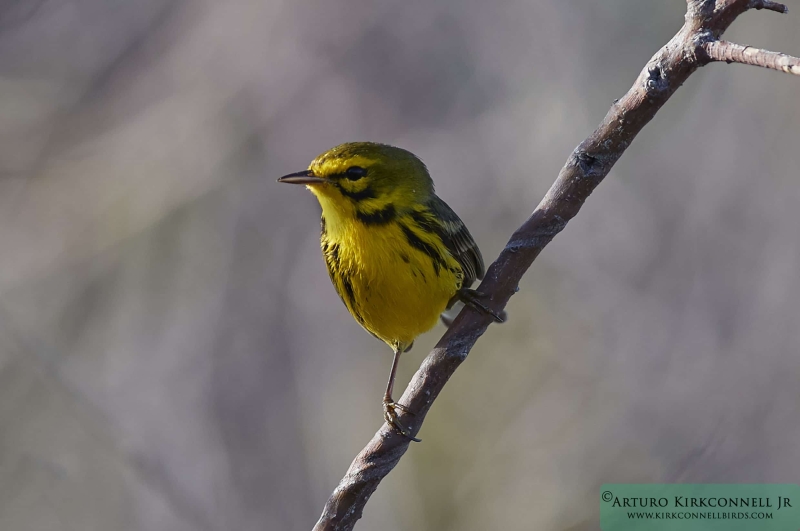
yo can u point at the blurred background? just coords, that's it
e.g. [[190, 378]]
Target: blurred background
[[173, 356]]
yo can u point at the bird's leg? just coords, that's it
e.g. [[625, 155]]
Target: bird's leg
[[390, 406], [475, 299]]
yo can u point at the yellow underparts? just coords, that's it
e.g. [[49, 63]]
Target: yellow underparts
[[393, 276]]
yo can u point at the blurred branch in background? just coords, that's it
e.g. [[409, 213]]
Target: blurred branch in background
[[695, 45]]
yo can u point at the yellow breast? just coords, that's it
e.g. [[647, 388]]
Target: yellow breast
[[394, 277]]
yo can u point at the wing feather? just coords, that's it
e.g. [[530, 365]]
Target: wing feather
[[458, 240]]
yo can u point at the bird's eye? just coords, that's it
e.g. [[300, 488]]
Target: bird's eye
[[354, 173]]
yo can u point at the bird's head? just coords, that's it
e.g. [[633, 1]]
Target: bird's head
[[361, 177]]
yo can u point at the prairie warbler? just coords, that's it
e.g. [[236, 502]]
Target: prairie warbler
[[397, 255]]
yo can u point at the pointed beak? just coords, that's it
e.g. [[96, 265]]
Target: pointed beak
[[301, 177]]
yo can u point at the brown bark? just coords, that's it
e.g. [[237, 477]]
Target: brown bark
[[747, 55]]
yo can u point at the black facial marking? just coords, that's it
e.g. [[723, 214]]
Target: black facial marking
[[366, 193], [380, 217]]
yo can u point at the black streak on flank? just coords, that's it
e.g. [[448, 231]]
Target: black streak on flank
[[351, 298], [430, 250], [404, 257], [335, 254], [323, 230], [380, 217], [427, 224], [430, 225]]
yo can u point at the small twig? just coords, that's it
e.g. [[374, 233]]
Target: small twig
[[769, 4], [695, 45], [736, 53]]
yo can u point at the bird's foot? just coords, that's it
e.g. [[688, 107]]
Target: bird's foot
[[390, 408], [475, 299]]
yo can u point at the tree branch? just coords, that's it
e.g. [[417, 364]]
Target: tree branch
[[695, 45], [768, 4], [747, 55]]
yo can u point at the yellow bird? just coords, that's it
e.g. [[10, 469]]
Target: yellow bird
[[397, 255]]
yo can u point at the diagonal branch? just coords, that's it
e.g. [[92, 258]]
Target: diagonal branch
[[747, 55], [586, 167]]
